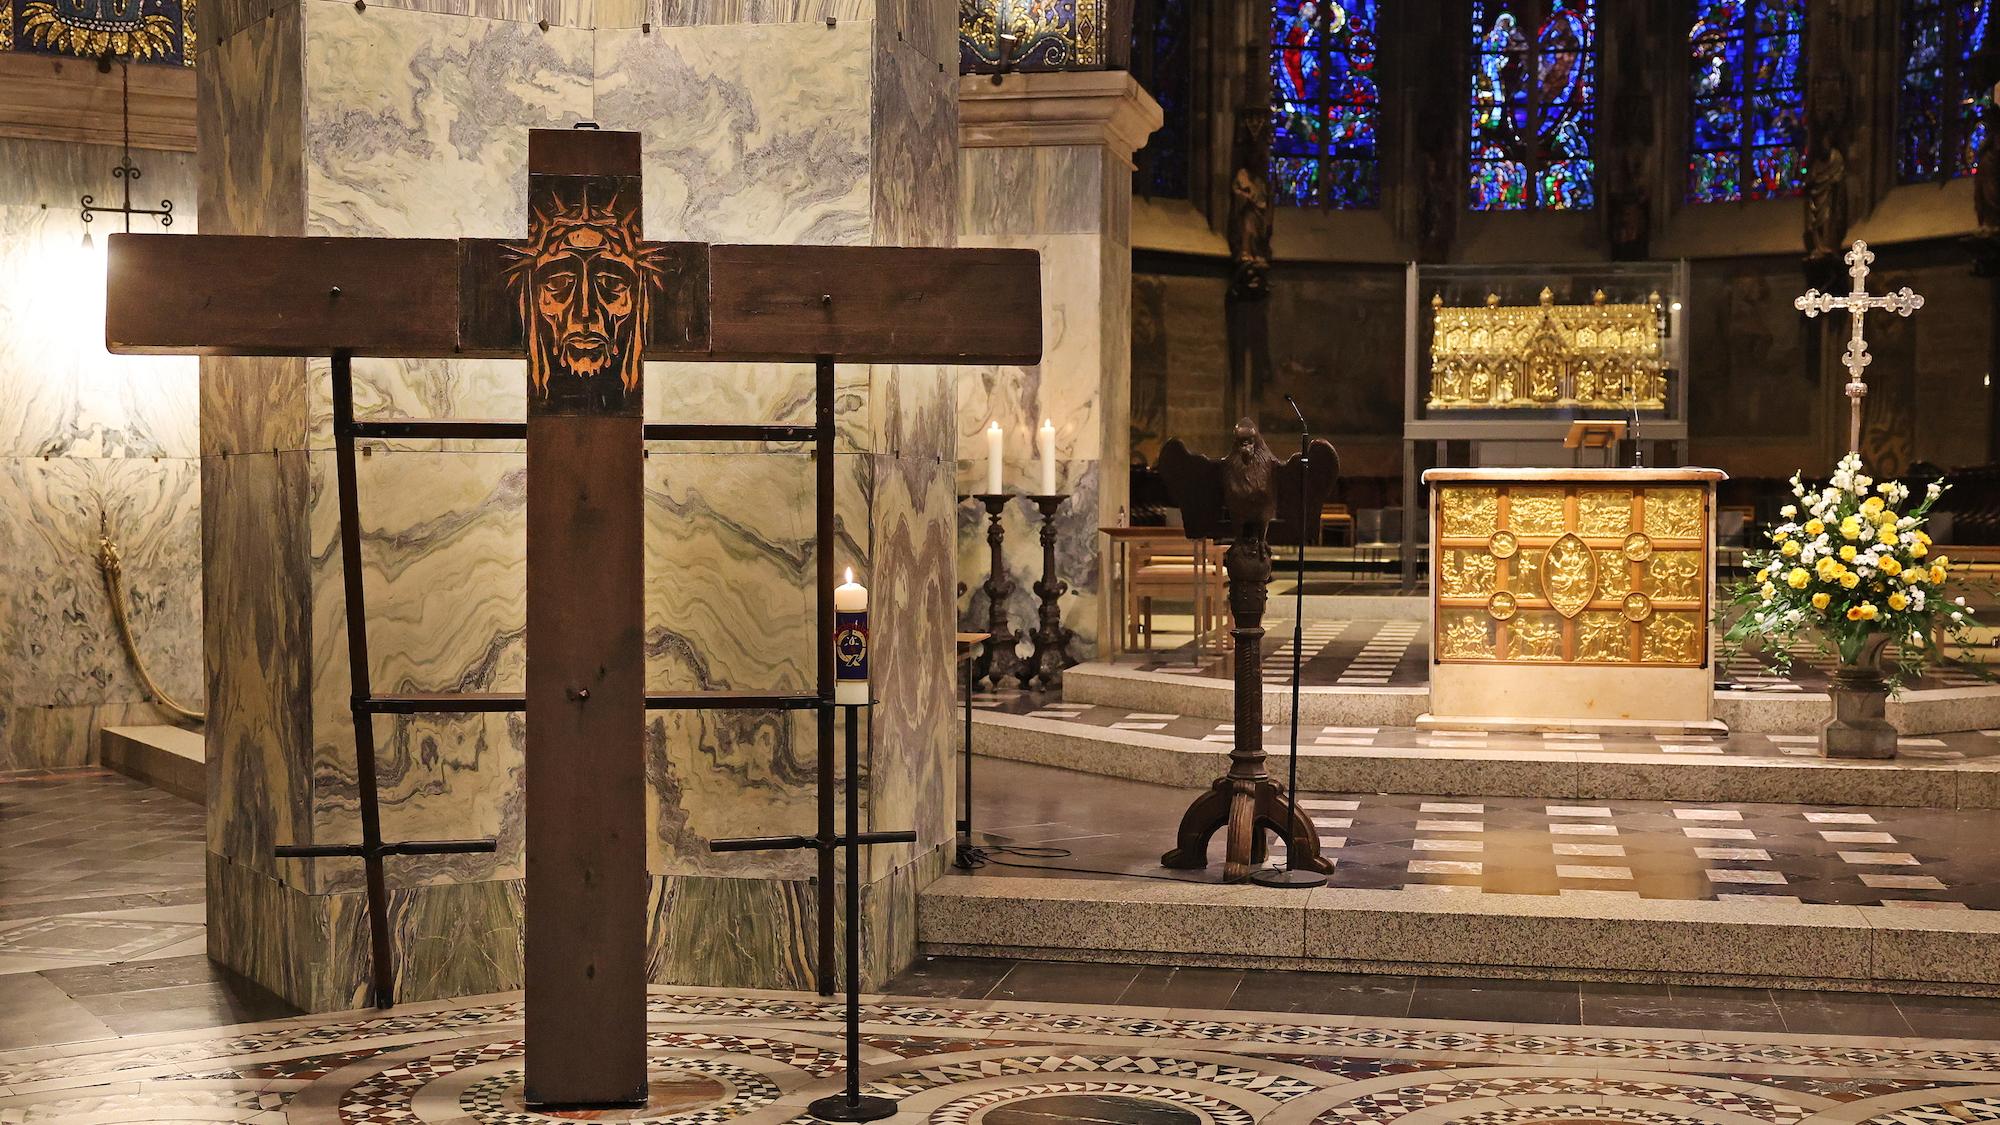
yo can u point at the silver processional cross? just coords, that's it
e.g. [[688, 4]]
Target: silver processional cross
[[1857, 302]]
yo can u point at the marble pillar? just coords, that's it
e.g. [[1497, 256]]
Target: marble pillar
[[1045, 163], [828, 123]]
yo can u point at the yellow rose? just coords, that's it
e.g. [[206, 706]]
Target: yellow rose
[[1920, 550], [1819, 601], [1763, 575], [1847, 553], [1872, 505], [1915, 575], [1791, 548], [1851, 527], [1864, 612], [1888, 536], [1780, 536], [1850, 580], [1923, 538], [1938, 573], [1898, 602], [1891, 567], [1798, 578], [1889, 518], [1814, 527], [1943, 561], [1769, 591]]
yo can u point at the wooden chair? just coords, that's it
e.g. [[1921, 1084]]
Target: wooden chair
[[1336, 517], [1188, 571]]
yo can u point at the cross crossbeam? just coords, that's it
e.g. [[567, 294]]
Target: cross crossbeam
[[1857, 302]]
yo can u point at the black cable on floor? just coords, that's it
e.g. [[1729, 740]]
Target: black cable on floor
[[973, 857]]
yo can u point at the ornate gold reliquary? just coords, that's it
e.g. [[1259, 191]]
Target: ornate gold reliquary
[[1572, 573], [1517, 357]]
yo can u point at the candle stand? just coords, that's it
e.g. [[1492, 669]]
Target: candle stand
[[1051, 638], [1000, 661]]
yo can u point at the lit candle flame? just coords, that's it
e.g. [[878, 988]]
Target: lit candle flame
[[850, 576]]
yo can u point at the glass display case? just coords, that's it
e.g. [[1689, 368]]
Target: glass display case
[[1518, 352]]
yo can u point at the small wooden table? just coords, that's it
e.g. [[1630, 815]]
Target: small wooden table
[[1122, 541]]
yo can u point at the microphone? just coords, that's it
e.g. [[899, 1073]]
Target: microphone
[[1293, 403]]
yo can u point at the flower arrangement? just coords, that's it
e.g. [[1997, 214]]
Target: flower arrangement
[[1850, 568]]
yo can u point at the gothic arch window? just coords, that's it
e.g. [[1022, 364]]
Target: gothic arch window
[[1533, 105], [1746, 112], [1938, 111], [1325, 112]]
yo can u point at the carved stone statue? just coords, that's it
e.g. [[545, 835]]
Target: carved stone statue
[[1250, 207], [1826, 182]]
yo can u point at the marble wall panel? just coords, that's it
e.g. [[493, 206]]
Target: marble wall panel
[[914, 128], [256, 637], [249, 117], [752, 133], [431, 522], [48, 736], [746, 933], [416, 124], [1064, 388]]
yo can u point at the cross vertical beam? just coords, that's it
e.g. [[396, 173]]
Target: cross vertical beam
[[583, 293]]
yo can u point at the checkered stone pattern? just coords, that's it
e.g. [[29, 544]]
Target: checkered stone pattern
[[1358, 651], [1585, 1114], [1942, 1113], [1903, 858], [1209, 1107], [1314, 637], [385, 1095], [486, 1101]]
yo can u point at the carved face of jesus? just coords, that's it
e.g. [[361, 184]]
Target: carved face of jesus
[[586, 294]]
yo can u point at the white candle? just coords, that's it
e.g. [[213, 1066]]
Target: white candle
[[996, 458], [1047, 438], [850, 642]]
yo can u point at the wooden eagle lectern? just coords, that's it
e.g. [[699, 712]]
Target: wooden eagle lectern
[[1235, 499]]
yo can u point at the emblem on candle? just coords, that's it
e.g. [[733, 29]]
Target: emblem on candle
[[850, 642]]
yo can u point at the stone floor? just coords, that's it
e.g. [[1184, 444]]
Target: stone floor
[[1359, 652], [108, 1016], [101, 918], [1041, 821]]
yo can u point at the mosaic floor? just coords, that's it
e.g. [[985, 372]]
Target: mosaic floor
[[1378, 653], [759, 1058], [1910, 858]]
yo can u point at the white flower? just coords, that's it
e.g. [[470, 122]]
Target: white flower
[[1789, 511]]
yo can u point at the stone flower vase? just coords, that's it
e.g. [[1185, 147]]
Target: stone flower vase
[[1860, 726]]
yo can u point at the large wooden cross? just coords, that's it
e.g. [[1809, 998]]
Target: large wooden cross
[[586, 300]]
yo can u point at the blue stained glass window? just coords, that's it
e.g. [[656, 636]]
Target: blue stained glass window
[[1533, 105], [1325, 111], [1940, 114], [1746, 109]]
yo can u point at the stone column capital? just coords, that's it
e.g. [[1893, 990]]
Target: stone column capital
[[1090, 107]]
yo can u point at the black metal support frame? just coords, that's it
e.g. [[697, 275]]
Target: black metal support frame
[[849, 1105], [366, 704]]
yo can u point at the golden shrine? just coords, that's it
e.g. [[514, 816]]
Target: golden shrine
[[1605, 573], [1515, 357]]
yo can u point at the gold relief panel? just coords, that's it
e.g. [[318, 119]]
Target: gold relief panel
[[1468, 511], [1466, 636], [1614, 579], [1569, 575], [1672, 638], [1535, 636], [1501, 606], [1603, 637], [1536, 511], [1467, 573], [1674, 513], [1603, 513], [1525, 575], [1675, 576]]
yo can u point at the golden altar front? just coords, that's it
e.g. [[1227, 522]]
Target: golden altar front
[[1572, 597]]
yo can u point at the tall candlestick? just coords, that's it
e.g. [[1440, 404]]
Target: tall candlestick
[[1047, 438], [996, 459], [850, 642]]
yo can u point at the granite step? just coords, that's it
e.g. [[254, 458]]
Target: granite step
[[172, 759]]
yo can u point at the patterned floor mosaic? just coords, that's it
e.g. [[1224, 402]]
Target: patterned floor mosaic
[[758, 1059], [1396, 653]]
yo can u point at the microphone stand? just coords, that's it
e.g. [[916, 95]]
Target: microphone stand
[[1291, 875]]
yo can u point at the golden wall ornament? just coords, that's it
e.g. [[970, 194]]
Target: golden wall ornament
[[1548, 356], [1572, 571]]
